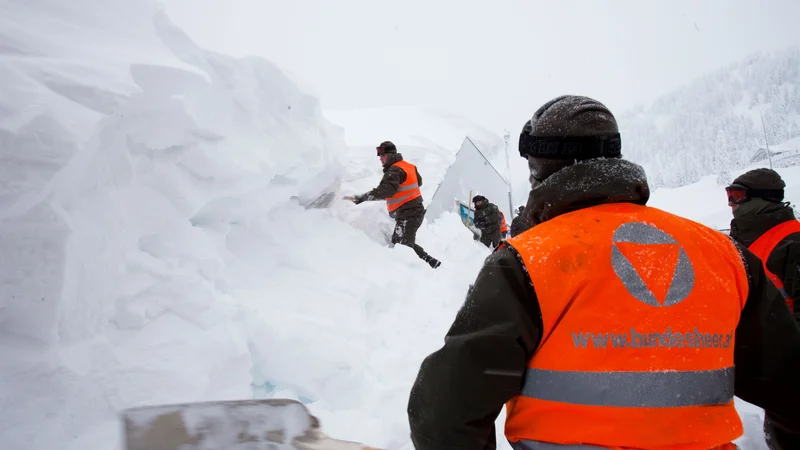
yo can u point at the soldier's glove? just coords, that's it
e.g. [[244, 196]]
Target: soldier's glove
[[355, 198]]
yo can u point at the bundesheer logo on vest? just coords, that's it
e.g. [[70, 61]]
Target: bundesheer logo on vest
[[651, 264], [655, 270]]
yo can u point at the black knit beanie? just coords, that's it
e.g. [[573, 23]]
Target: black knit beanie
[[566, 129]]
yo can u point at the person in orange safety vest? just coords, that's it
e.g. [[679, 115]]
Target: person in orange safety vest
[[766, 224], [503, 225], [400, 188], [608, 324]]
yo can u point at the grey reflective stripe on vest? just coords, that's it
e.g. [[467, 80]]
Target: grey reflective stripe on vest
[[631, 389], [403, 189], [408, 188], [538, 445], [784, 293]]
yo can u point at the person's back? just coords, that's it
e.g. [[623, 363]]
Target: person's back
[[631, 338]]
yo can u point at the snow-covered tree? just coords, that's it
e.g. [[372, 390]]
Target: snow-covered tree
[[722, 159], [718, 113]]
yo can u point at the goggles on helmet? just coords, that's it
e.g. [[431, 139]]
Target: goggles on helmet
[[736, 195], [740, 194]]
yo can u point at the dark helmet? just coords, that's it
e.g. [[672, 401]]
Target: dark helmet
[[386, 147], [761, 183]]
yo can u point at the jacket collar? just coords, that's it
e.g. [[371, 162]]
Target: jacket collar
[[586, 184]]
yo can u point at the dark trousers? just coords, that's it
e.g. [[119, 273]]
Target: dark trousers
[[405, 233], [491, 240]]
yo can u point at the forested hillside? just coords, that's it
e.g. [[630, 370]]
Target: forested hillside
[[714, 123]]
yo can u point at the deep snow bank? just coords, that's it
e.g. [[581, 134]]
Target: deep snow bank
[[127, 155], [182, 125]]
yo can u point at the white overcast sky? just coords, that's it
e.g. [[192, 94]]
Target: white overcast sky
[[493, 61]]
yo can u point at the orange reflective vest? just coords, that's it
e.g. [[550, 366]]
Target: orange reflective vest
[[639, 311], [503, 224], [767, 242], [409, 189]]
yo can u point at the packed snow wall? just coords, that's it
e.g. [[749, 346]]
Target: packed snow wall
[[471, 171], [98, 155], [131, 161]]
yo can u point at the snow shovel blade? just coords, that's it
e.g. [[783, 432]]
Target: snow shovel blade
[[228, 425]]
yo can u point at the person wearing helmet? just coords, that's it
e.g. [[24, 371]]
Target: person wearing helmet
[[609, 323], [766, 225], [488, 220], [400, 187]]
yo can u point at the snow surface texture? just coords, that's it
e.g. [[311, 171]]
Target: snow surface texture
[[156, 246]]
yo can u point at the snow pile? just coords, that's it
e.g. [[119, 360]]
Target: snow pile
[[350, 321], [128, 156]]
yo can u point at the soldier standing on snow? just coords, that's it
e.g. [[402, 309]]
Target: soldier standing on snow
[[766, 224], [488, 220], [572, 327], [400, 187]]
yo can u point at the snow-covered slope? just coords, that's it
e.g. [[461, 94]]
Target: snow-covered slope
[[714, 123], [156, 246]]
